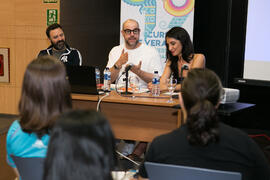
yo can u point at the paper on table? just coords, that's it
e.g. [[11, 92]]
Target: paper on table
[[122, 89], [167, 93]]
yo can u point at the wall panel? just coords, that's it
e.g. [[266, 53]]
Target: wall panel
[[9, 43], [7, 9], [7, 99], [31, 12], [23, 25], [7, 31]]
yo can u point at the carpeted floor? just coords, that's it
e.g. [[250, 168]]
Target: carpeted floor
[[5, 122]]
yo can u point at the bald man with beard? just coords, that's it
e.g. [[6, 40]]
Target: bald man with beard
[[145, 59]]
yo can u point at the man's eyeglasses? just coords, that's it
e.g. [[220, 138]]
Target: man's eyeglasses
[[135, 31]]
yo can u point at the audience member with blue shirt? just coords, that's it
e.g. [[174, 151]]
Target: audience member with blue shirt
[[45, 95]]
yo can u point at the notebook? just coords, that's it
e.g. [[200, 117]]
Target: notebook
[[158, 171], [82, 79]]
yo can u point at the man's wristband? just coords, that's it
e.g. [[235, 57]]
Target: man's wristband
[[116, 67]]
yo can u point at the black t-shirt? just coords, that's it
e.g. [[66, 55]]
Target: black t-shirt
[[57, 54], [70, 56], [235, 152]]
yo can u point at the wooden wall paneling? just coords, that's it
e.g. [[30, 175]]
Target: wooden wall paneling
[[33, 46], [7, 90], [7, 99], [7, 9], [30, 12], [31, 32], [26, 50], [23, 25], [7, 31], [21, 60], [17, 99], [33, 12], [9, 43]]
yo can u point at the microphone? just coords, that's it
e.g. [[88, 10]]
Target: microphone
[[128, 67], [184, 67]]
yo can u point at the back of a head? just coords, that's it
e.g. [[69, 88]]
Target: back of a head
[[82, 146], [45, 94], [201, 91]]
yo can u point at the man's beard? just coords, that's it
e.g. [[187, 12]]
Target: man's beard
[[60, 45], [132, 45]]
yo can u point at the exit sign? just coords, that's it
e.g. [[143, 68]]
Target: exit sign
[[52, 16]]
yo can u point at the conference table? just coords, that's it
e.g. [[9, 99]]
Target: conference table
[[141, 118]]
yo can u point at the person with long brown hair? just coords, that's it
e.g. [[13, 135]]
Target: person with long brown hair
[[45, 95]]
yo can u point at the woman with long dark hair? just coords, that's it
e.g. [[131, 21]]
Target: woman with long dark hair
[[204, 141], [45, 95], [179, 52]]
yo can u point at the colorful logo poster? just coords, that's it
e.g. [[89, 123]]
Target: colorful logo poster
[[156, 17], [52, 16]]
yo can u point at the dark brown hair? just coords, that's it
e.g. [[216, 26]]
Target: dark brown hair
[[91, 147], [52, 27], [201, 91], [182, 35], [45, 94]]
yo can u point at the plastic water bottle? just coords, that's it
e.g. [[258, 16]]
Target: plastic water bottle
[[107, 79], [155, 83], [97, 77]]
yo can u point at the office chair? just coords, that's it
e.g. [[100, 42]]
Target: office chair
[[29, 168], [157, 171]]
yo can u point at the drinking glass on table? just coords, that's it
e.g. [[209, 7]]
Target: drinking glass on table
[[171, 84], [134, 84]]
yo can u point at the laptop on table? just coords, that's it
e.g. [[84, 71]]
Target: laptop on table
[[158, 171], [82, 79]]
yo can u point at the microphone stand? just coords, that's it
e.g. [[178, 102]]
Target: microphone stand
[[126, 82], [126, 79], [181, 74], [184, 67]]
